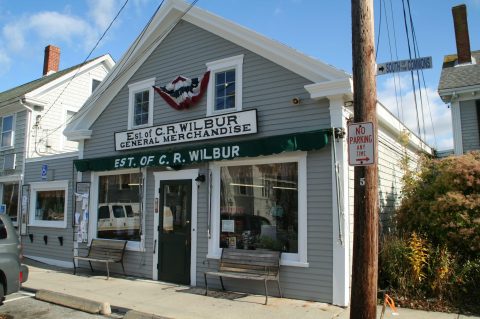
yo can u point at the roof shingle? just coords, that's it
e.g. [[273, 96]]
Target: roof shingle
[[453, 76]]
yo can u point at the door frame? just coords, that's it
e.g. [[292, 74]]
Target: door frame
[[190, 174]]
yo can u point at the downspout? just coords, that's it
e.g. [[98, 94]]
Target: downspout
[[26, 148]]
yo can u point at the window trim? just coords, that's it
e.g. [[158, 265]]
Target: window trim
[[234, 62], [288, 259], [92, 226], [13, 115], [47, 186], [145, 85]]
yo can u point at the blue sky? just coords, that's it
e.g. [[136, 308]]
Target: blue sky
[[318, 28]]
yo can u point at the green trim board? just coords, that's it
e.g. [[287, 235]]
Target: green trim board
[[172, 157]]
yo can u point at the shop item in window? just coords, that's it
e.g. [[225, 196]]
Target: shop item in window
[[119, 221]]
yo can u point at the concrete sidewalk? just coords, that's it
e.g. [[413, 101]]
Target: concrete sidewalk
[[178, 302]]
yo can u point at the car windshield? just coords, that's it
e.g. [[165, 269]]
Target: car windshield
[[118, 211], [129, 210]]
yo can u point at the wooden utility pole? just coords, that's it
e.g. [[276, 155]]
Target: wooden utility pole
[[365, 233]]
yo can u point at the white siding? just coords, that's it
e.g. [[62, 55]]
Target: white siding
[[67, 95]]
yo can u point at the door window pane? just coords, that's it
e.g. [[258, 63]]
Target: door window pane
[[259, 207], [10, 199], [176, 208], [118, 207]]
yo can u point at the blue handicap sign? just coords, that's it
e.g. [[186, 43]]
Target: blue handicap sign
[[44, 171]]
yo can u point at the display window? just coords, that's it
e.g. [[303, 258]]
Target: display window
[[261, 204], [259, 207], [118, 209], [49, 204]]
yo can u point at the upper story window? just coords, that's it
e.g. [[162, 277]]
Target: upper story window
[[7, 131], [225, 85], [140, 105]]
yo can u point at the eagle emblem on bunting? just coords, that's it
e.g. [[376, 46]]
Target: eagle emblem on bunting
[[184, 92]]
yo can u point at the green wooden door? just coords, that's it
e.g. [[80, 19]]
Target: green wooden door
[[174, 236]]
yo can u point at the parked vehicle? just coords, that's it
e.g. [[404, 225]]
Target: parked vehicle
[[119, 221], [12, 272]]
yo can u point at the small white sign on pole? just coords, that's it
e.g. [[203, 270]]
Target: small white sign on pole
[[361, 144]]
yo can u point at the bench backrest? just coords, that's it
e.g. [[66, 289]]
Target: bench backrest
[[111, 249], [258, 262]]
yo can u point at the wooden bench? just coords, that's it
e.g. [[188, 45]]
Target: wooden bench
[[105, 251], [261, 265]]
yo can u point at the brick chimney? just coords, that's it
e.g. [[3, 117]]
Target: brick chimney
[[51, 61], [461, 34]]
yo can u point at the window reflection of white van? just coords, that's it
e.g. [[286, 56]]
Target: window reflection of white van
[[119, 221]]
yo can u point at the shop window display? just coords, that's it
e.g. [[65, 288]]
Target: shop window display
[[118, 214], [50, 205], [259, 207]]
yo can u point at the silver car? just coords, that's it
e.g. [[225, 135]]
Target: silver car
[[12, 272]]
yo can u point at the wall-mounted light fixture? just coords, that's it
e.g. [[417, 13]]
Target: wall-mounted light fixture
[[200, 179]]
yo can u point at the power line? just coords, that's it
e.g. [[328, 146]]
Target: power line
[[88, 56], [417, 54], [391, 57], [379, 31], [120, 72], [397, 76], [411, 72]]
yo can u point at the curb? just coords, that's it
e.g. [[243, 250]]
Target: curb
[[86, 305], [133, 314]]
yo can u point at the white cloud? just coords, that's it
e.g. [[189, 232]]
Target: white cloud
[[434, 111], [5, 62], [102, 12], [49, 26]]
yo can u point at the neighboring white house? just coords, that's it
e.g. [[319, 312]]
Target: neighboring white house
[[33, 116], [459, 86]]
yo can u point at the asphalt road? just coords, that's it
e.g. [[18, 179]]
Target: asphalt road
[[23, 305]]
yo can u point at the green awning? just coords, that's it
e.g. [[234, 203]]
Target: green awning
[[175, 157]]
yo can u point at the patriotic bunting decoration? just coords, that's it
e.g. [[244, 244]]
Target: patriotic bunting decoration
[[183, 92]]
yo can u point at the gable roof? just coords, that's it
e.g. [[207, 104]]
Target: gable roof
[[457, 78], [162, 24], [13, 94]]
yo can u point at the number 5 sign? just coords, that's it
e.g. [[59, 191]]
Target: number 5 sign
[[361, 144]]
